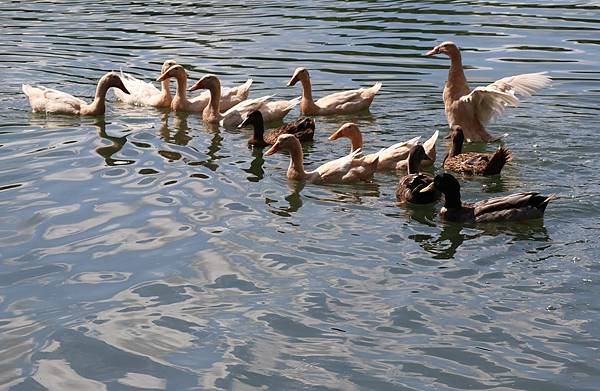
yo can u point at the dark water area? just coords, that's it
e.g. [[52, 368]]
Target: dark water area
[[142, 250]]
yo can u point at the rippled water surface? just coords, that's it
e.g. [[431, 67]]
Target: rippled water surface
[[142, 250]]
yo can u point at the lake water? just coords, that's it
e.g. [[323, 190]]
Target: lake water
[[143, 251]]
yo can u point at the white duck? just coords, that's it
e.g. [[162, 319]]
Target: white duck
[[49, 100], [235, 115], [142, 93], [338, 103], [394, 157], [353, 167], [473, 109], [229, 97]]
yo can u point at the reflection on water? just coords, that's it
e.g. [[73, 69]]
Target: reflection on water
[[149, 250]]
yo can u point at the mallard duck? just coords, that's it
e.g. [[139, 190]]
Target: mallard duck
[[518, 206], [303, 129], [410, 186], [339, 103], [229, 97], [235, 115], [48, 100], [473, 109], [473, 163], [353, 167], [142, 93], [390, 158]]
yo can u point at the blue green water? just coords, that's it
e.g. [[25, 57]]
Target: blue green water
[[142, 250]]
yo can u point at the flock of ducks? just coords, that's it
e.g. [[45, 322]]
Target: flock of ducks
[[467, 111]]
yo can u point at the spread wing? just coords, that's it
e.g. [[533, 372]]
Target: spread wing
[[490, 101]]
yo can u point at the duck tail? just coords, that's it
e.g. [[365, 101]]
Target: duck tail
[[244, 89], [429, 146], [498, 160], [376, 87]]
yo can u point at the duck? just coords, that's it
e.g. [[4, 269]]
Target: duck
[[49, 100], [338, 103], [142, 93], [473, 163], [303, 129], [235, 115], [513, 207], [410, 186], [474, 108], [229, 97], [393, 157], [351, 168]]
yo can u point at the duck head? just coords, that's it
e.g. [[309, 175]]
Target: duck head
[[299, 74], [252, 119], [445, 183], [173, 71], [448, 48], [166, 65], [206, 82], [285, 142], [111, 79], [349, 130]]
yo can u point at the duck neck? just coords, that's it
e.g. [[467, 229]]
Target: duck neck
[[165, 90], [414, 164], [356, 139], [98, 106], [455, 148], [456, 73], [180, 90], [214, 101], [452, 200], [307, 96], [259, 131], [296, 168]]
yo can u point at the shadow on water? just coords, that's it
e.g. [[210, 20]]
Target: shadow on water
[[180, 135], [256, 165], [453, 235]]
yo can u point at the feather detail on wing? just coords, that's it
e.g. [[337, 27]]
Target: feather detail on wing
[[139, 91], [526, 84], [488, 102]]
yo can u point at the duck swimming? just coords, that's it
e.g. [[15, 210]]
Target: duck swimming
[[473, 163], [338, 103], [410, 186], [348, 169], [303, 129], [518, 206], [474, 109], [142, 93], [228, 97], [393, 157], [48, 100]]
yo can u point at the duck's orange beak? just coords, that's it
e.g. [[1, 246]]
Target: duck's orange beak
[[293, 81], [433, 52], [334, 136], [272, 150], [197, 85]]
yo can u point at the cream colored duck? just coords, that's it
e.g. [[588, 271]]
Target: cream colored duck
[[229, 97], [49, 100], [394, 157], [235, 115], [473, 109], [353, 167], [142, 93], [339, 103]]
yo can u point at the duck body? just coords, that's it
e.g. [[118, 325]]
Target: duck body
[[338, 103], [473, 163], [410, 186], [52, 101], [393, 157], [142, 93], [348, 169], [303, 129], [228, 97], [473, 109], [513, 207]]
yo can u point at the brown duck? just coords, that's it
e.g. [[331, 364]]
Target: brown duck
[[410, 186], [303, 128], [473, 163], [518, 206]]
